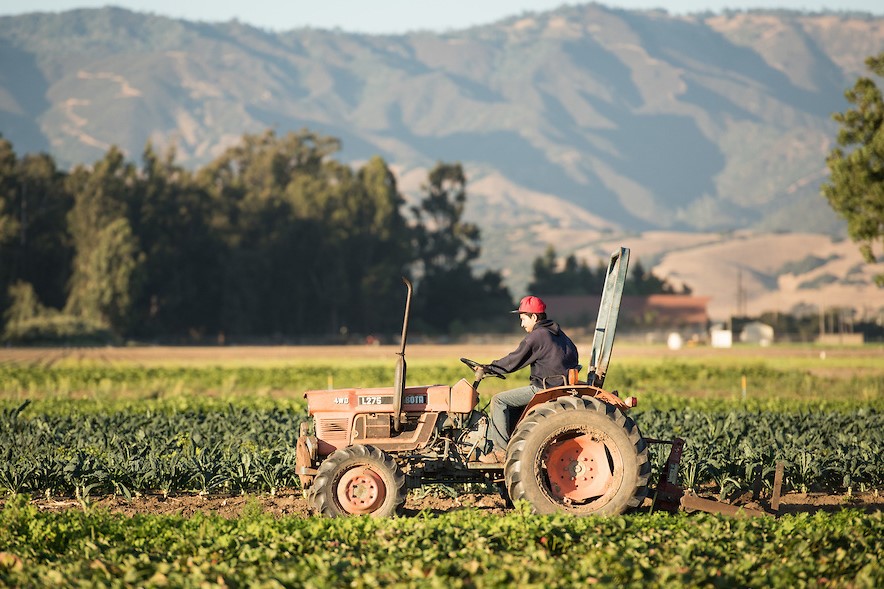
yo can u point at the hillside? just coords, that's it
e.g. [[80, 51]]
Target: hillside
[[575, 125]]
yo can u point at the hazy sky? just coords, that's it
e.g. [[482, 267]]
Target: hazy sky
[[398, 16]]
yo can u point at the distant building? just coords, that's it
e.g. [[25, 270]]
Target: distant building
[[685, 313], [719, 337], [756, 332]]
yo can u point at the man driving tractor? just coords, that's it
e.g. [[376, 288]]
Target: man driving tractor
[[579, 452], [549, 352]]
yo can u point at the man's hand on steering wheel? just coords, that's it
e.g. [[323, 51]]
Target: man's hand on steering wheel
[[483, 370]]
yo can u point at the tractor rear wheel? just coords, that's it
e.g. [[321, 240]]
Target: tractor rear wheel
[[358, 480], [577, 455]]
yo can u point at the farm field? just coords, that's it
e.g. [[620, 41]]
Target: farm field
[[153, 466], [465, 548]]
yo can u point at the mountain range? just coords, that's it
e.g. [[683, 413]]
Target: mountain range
[[580, 127]]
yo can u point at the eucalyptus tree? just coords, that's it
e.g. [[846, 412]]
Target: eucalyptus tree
[[43, 240], [449, 295], [275, 199], [179, 292], [377, 248], [34, 244], [108, 257], [8, 220]]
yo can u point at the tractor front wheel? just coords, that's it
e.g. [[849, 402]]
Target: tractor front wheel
[[358, 480], [577, 455]]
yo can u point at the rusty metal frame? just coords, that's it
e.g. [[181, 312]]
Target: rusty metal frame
[[418, 438]]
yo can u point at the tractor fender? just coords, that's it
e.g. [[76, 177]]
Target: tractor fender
[[578, 390]]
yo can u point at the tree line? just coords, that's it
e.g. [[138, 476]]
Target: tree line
[[274, 238], [575, 277]]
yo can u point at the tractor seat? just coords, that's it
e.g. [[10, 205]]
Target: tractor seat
[[573, 375]]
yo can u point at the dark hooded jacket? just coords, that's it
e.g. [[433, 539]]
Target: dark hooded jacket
[[549, 352]]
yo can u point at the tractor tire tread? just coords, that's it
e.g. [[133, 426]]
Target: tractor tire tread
[[515, 474], [319, 493]]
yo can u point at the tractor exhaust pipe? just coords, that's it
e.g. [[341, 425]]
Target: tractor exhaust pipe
[[399, 379]]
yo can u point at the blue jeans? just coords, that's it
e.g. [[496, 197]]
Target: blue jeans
[[506, 408]]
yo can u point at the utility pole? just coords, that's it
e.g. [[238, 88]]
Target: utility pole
[[741, 294]]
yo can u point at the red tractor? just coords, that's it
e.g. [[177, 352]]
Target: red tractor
[[574, 449]]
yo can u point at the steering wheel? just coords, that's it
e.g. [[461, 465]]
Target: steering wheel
[[488, 368]]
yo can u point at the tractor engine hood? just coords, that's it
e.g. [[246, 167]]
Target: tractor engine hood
[[461, 398]]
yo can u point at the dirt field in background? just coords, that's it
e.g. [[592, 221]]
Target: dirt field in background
[[258, 355]]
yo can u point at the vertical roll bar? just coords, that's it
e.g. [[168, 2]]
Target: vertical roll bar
[[399, 379], [606, 324]]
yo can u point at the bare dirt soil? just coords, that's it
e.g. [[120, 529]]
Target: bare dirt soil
[[289, 503]]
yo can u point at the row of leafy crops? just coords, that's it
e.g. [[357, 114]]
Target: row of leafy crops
[[106, 428], [458, 549], [821, 449], [761, 380], [216, 449], [76, 448], [20, 381]]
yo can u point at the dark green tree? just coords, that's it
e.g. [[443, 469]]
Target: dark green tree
[[312, 246], [179, 288], [445, 241], [855, 189], [8, 219], [105, 268], [34, 244], [643, 282], [545, 270], [273, 238], [573, 278], [8, 186], [273, 198], [377, 248], [448, 294], [45, 245]]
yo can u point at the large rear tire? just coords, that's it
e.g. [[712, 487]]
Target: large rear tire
[[578, 455], [359, 480]]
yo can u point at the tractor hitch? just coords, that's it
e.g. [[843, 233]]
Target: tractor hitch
[[672, 497]]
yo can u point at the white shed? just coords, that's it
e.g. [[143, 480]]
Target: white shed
[[757, 332]]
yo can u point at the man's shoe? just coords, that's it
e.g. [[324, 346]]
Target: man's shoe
[[496, 457]]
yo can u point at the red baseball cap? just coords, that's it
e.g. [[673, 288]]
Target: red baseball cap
[[531, 304]]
